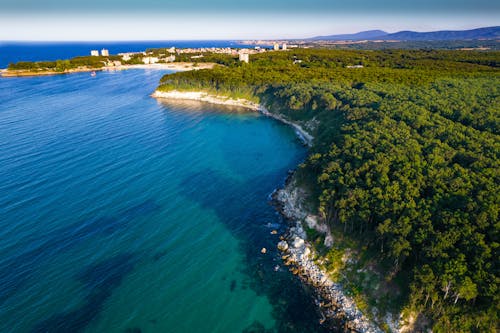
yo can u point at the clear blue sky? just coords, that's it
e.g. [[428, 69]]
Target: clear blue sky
[[232, 19]]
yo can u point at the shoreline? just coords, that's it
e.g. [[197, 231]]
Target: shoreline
[[201, 96], [334, 306], [176, 66]]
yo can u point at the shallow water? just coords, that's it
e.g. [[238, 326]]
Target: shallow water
[[121, 213]]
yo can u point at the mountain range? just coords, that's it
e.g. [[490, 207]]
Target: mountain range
[[480, 33]]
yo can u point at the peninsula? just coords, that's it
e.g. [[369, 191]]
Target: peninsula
[[178, 67], [393, 214]]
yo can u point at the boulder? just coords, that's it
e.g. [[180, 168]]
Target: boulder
[[311, 221], [298, 242], [283, 246]]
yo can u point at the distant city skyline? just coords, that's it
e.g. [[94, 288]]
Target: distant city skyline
[[58, 20]]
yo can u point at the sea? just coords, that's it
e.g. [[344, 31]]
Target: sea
[[123, 213]]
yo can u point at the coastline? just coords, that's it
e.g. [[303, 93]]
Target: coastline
[[335, 307], [22, 73], [201, 96], [177, 66]]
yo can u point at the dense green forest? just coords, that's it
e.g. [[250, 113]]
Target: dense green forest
[[405, 158]]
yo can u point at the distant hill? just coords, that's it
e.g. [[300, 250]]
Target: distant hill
[[371, 34], [480, 33]]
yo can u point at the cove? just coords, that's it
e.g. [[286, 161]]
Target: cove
[[122, 213]]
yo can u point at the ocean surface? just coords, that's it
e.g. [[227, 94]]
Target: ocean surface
[[37, 51], [120, 213]]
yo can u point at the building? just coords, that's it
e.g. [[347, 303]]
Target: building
[[170, 58], [150, 60], [276, 46], [284, 47], [105, 53], [94, 53], [244, 57]]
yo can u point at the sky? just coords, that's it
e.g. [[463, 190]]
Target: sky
[[233, 19]]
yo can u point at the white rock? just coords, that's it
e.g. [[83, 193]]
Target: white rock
[[298, 242], [328, 241], [283, 246], [311, 221]]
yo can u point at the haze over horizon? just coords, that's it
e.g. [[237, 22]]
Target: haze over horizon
[[94, 20]]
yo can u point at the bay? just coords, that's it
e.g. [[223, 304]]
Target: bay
[[120, 213]]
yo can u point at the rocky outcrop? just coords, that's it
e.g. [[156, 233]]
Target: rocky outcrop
[[336, 309]]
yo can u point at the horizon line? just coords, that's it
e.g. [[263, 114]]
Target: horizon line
[[231, 39]]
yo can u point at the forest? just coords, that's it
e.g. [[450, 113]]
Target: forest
[[405, 158]]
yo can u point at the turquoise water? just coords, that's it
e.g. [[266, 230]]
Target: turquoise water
[[120, 213]]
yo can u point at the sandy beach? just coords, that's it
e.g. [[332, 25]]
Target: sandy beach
[[177, 66]]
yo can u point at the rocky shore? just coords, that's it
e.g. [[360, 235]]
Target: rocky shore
[[337, 309]]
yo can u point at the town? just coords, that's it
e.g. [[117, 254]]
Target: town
[[166, 55], [169, 58]]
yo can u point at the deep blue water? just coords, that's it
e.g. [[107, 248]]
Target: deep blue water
[[120, 213], [36, 51]]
